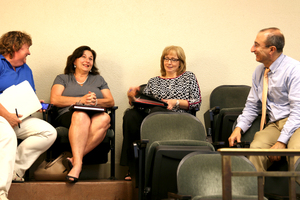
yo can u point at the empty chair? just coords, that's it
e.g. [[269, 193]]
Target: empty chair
[[199, 176], [248, 136], [170, 136], [275, 187], [278, 187], [226, 103]]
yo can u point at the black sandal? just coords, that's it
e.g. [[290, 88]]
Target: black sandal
[[69, 179], [127, 176]]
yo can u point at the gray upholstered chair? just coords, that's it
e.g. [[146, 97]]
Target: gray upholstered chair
[[248, 136], [226, 103], [166, 137], [199, 176], [278, 187], [275, 187]]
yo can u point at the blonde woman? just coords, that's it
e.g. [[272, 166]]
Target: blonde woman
[[175, 86]]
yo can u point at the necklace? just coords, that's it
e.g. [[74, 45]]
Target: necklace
[[82, 82]]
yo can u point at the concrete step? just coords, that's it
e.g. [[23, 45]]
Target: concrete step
[[82, 190]]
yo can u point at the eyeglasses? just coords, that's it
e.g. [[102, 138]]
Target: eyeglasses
[[172, 60]]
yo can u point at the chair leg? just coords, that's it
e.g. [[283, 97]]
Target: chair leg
[[112, 161], [141, 181], [113, 147]]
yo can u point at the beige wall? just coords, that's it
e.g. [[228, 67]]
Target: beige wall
[[129, 36]]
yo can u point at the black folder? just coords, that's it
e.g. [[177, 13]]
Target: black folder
[[143, 100]]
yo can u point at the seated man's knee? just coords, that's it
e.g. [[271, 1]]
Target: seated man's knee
[[257, 140], [50, 133], [255, 144], [45, 129], [53, 133]]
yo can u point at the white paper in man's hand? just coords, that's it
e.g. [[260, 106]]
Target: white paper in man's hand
[[20, 97]]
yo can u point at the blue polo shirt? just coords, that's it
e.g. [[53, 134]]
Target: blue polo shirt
[[9, 77]]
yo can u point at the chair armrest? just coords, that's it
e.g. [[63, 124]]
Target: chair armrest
[[221, 144], [139, 145], [218, 145], [142, 143], [215, 110], [112, 108], [50, 115], [194, 111], [139, 148], [209, 119], [243, 144], [45, 116], [112, 113], [177, 196]]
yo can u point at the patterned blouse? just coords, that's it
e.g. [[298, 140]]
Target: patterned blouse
[[183, 87]]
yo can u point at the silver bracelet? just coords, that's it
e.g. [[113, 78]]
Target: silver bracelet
[[177, 104]]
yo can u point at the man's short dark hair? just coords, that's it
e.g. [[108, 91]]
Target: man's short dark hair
[[275, 38]]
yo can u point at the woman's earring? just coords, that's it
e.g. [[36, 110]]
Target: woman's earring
[[74, 66]]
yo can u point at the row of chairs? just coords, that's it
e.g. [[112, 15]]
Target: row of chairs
[[176, 161], [226, 104], [165, 141], [190, 137], [166, 138], [99, 155]]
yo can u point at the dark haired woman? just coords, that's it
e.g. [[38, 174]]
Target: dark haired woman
[[82, 83]]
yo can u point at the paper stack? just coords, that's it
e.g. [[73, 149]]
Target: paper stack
[[20, 97]]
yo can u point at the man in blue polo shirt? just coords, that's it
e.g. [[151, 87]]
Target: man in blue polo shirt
[[13, 67], [37, 135]]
